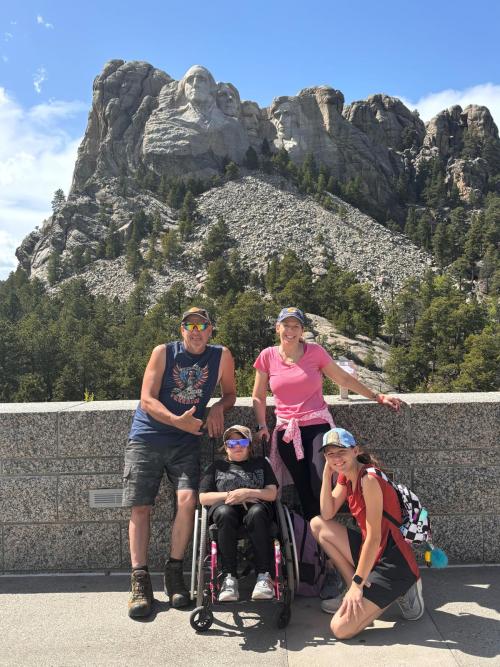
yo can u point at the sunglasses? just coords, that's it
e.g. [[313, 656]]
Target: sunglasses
[[244, 442], [195, 326]]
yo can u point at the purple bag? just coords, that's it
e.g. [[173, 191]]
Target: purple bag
[[310, 557]]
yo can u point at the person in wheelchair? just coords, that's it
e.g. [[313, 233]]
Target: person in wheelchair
[[239, 490]]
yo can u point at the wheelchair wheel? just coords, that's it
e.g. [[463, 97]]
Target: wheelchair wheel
[[196, 533], [284, 613], [201, 558], [295, 552], [287, 550], [201, 619]]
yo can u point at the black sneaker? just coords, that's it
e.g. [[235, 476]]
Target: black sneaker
[[333, 585], [174, 586], [141, 597]]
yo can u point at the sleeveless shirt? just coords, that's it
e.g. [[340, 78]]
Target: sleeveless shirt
[[188, 380], [357, 507]]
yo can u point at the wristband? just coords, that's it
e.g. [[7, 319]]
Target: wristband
[[380, 398], [259, 427]]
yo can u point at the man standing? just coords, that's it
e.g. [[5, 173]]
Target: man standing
[[179, 380]]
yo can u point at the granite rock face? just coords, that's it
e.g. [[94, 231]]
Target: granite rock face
[[143, 122]]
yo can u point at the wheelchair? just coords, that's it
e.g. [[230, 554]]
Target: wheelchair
[[206, 575]]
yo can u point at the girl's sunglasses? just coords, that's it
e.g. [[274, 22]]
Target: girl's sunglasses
[[244, 442], [195, 326]]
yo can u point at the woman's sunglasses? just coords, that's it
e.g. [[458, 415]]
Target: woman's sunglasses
[[195, 326], [244, 442]]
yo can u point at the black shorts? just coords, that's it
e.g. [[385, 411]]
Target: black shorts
[[146, 463], [390, 578]]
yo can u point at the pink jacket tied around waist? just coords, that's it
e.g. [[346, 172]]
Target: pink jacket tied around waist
[[292, 435]]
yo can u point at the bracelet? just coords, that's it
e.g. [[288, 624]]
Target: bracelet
[[379, 398], [259, 427]]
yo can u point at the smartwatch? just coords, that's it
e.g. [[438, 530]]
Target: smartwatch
[[357, 579]]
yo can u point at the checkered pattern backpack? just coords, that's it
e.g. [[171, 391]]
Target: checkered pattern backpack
[[416, 525]]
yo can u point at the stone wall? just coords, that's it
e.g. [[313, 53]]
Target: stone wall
[[445, 446]]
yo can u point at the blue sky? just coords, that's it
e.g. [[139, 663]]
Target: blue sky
[[430, 54]]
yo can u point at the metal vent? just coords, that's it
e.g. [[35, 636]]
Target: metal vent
[[105, 498]]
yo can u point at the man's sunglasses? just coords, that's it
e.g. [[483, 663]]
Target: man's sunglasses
[[195, 326], [244, 442]]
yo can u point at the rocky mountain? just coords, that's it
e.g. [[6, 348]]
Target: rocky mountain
[[145, 129]]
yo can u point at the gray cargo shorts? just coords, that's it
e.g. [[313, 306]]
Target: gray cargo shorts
[[146, 463]]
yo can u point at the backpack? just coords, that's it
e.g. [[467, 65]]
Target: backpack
[[310, 558], [416, 524]]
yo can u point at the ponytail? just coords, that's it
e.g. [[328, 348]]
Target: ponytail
[[367, 458]]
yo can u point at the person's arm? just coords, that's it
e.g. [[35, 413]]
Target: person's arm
[[330, 501], [215, 417], [259, 402], [238, 496], [374, 502], [344, 379], [211, 497], [151, 385]]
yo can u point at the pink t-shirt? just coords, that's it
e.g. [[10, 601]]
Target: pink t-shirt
[[297, 388]]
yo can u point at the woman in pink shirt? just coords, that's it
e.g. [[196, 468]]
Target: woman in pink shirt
[[294, 371]]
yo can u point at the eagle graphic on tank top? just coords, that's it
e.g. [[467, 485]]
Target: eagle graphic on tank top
[[189, 381]]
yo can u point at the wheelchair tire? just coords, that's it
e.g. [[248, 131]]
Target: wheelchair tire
[[283, 615], [201, 557], [201, 619], [287, 550]]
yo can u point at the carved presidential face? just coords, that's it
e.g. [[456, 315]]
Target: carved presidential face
[[228, 99], [250, 115], [198, 85], [284, 120]]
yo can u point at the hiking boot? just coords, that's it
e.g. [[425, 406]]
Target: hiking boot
[[229, 589], [264, 589], [141, 598], [333, 585], [412, 602], [332, 605], [174, 586]]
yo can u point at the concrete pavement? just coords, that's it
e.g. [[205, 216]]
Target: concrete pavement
[[81, 620]]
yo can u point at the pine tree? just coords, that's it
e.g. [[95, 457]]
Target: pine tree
[[58, 201], [231, 171], [113, 245], [218, 240], [251, 159], [170, 244], [54, 267]]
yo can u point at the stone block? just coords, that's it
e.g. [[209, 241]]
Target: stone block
[[457, 490], [62, 466], [461, 537], [455, 426], [491, 537], [159, 546], [28, 435], [438, 458], [49, 547], [373, 425], [97, 433], [28, 499], [73, 498]]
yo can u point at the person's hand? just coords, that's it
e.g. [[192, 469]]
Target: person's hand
[[187, 422], [263, 434], [215, 421], [237, 497], [352, 603], [391, 402]]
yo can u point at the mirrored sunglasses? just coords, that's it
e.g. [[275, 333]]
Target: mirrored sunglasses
[[195, 326], [244, 442]]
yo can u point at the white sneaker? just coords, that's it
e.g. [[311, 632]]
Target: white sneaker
[[264, 589], [412, 602], [229, 589], [332, 605]]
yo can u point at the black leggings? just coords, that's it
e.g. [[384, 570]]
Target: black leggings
[[257, 520], [307, 474]]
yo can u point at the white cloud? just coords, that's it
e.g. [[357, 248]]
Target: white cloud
[[40, 21], [485, 94], [36, 157], [5, 59], [7, 36], [38, 79]]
